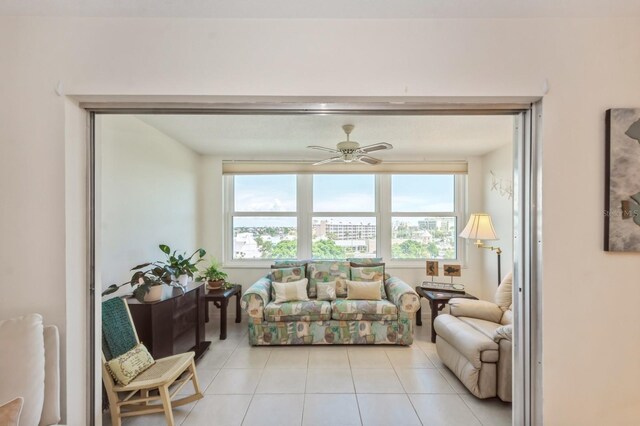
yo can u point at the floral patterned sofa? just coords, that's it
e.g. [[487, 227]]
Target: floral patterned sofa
[[341, 321]]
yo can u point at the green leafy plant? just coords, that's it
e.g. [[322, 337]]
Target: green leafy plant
[[142, 280], [179, 264], [152, 274], [213, 272]]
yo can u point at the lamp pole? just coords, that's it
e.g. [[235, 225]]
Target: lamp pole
[[498, 251]]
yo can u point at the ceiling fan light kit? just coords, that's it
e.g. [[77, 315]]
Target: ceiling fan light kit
[[350, 151]]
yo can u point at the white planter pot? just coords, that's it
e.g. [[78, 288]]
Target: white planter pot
[[155, 293], [183, 280]]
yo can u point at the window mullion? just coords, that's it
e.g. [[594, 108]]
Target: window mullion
[[305, 206], [383, 212]]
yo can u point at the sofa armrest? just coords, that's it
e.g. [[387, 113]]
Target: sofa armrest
[[257, 297], [480, 309], [402, 295], [51, 407]]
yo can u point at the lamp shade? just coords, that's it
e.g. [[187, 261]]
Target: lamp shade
[[479, 227]]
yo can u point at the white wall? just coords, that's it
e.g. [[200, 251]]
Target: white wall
[[590, 367], [149, 195], [499, 205]]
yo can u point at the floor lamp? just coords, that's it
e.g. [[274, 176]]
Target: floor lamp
[[481, 228]]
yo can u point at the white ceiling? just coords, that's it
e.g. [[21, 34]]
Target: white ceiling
[[330, 9], [265, 137]]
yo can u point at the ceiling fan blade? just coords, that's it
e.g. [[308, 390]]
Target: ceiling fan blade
[[376, 147], [328, 160], [323, 148], [369, 160]]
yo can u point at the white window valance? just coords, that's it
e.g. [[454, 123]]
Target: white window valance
[[241, 167]]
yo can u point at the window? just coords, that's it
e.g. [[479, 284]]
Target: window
[[403, 218], [423, 217], [344, 216], [264, 217]]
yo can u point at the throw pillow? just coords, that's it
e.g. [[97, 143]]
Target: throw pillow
[[129, 365], [284, 275], [373, 272], [326, 290], [363, 290], [10, 412], [290, 291], [328, 270]]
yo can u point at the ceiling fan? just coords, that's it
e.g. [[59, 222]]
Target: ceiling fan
[[350, 151]]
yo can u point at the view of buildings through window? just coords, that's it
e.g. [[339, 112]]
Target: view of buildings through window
[[343, 217]]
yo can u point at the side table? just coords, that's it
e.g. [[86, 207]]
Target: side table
[[437, 300], [220, 299]]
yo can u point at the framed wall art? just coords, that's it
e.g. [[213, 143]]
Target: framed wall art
[[622, 186]]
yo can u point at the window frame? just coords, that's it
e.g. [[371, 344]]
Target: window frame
[[304, 212], [230, 213], [459, 212]]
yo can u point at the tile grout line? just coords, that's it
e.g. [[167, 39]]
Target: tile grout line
[[256, 388], [406, 394], [355, 391], [473, 413]]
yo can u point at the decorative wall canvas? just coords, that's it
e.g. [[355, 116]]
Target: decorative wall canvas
[[622, 188]]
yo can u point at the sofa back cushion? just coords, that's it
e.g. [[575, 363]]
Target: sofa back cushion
[[285, 275], [22, 365], [504, 293], [372, 272], [328, 270], [365, 260]]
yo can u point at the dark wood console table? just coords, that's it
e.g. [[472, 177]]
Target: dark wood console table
[[174, 324]]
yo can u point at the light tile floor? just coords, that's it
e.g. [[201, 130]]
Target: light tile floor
[[335, 385]]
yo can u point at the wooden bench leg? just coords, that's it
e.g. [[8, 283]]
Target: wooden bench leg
[[165, 396]]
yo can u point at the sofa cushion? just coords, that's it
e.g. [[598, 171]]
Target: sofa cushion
[[371, 310], [474, 345], [310, 310], [328, 270]]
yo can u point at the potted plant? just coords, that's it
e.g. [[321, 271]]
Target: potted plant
[[179, 265], [147, 284], [214, 276]]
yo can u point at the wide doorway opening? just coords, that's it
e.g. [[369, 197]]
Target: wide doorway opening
[[436, 199]]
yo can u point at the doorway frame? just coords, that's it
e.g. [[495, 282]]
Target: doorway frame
[[527, 174]]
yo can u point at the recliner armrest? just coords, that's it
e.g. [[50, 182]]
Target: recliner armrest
[[503, 333], [480, 309], [257, 297], [402, 295]]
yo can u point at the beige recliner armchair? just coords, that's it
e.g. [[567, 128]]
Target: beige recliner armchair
[[474, 341]]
